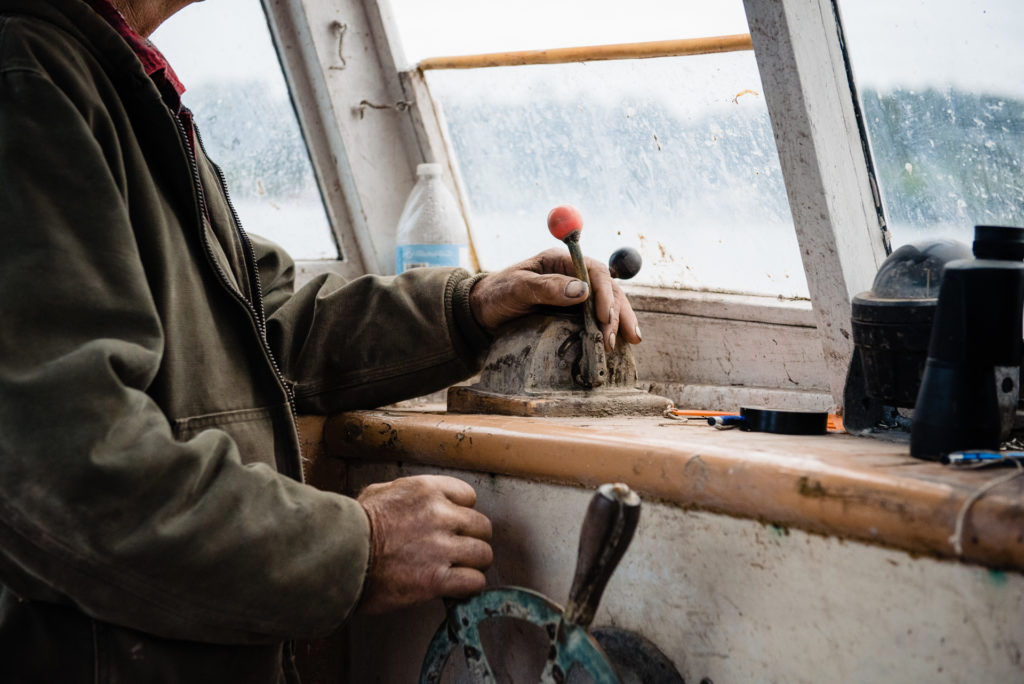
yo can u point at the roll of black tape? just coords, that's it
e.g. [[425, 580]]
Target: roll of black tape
[[784, 422]]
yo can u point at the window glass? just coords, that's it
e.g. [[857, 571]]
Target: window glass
[[459, 27], [943, 100], [673, 156], [223, 53], [688, 175]]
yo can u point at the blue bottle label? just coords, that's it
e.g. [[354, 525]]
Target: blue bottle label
[[418, 256]]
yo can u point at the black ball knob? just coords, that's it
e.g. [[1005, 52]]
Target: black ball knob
[[624, 263]]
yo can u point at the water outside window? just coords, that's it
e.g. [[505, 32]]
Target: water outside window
[[223, 53], [943, 99], [674, 156], [690, 178]]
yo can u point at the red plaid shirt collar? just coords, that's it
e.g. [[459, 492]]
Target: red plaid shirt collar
[[153, 61]]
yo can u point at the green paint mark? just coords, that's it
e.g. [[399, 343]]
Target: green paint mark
[[779, 530], [997, 577]]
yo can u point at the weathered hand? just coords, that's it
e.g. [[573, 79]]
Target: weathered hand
[[426, 542], [549, 279]]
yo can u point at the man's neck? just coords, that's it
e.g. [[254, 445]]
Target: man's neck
[[144, 16]]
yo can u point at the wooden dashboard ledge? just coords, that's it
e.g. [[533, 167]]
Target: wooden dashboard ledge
[[836, 484]]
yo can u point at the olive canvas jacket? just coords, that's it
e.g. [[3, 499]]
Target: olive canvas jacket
[[153, 522]]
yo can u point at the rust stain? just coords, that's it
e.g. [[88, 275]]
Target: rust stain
[[736, 100], [353, 430], [811, 488]]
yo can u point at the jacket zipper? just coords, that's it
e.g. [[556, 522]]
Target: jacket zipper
[[255, 308]]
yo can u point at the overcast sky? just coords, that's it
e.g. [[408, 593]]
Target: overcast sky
[[973, 44], [968, 43], [220, 40]]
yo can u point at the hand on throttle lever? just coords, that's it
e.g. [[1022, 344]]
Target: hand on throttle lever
[[550, 278]]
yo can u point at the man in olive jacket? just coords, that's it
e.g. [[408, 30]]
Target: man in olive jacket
[[154, 524]]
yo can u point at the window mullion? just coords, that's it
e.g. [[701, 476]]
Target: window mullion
[[354, 113], [800, 57]]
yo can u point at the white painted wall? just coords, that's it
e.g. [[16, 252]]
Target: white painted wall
[[735, 600]]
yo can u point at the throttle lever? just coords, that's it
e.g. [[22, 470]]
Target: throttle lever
[[607, 530], [566, 223]]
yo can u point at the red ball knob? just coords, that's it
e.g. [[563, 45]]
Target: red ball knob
[[564, 220]]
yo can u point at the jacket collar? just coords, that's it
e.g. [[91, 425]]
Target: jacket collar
[[153, 61], [78, 19]]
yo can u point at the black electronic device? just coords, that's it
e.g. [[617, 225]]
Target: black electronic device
[[892, 322], [970, 387]]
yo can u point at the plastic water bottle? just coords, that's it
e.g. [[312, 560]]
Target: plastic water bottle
[[431, 230]]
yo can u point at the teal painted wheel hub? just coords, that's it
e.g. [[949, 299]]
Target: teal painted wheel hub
[[570, 643]]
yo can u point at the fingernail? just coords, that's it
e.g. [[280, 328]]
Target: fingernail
[[611, 340], [636, 331], [575, 289], [611, 313]]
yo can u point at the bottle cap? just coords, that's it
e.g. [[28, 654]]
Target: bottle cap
[[1005, 243], [428, 169]]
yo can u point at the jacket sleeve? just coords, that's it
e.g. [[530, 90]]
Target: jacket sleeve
[[99, 506], [277, 273], [377, 339]]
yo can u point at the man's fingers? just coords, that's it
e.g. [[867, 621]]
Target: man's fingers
[[461, 582], [614, 312], [611, 306], [474, 524], [610, 327], [471, 553], [553, 260], [548, 279], [454, 489], [604, 290], [425, 541], [551, 290], [629, 328]]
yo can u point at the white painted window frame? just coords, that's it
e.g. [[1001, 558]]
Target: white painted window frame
[[368, 126], [836, 213]]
